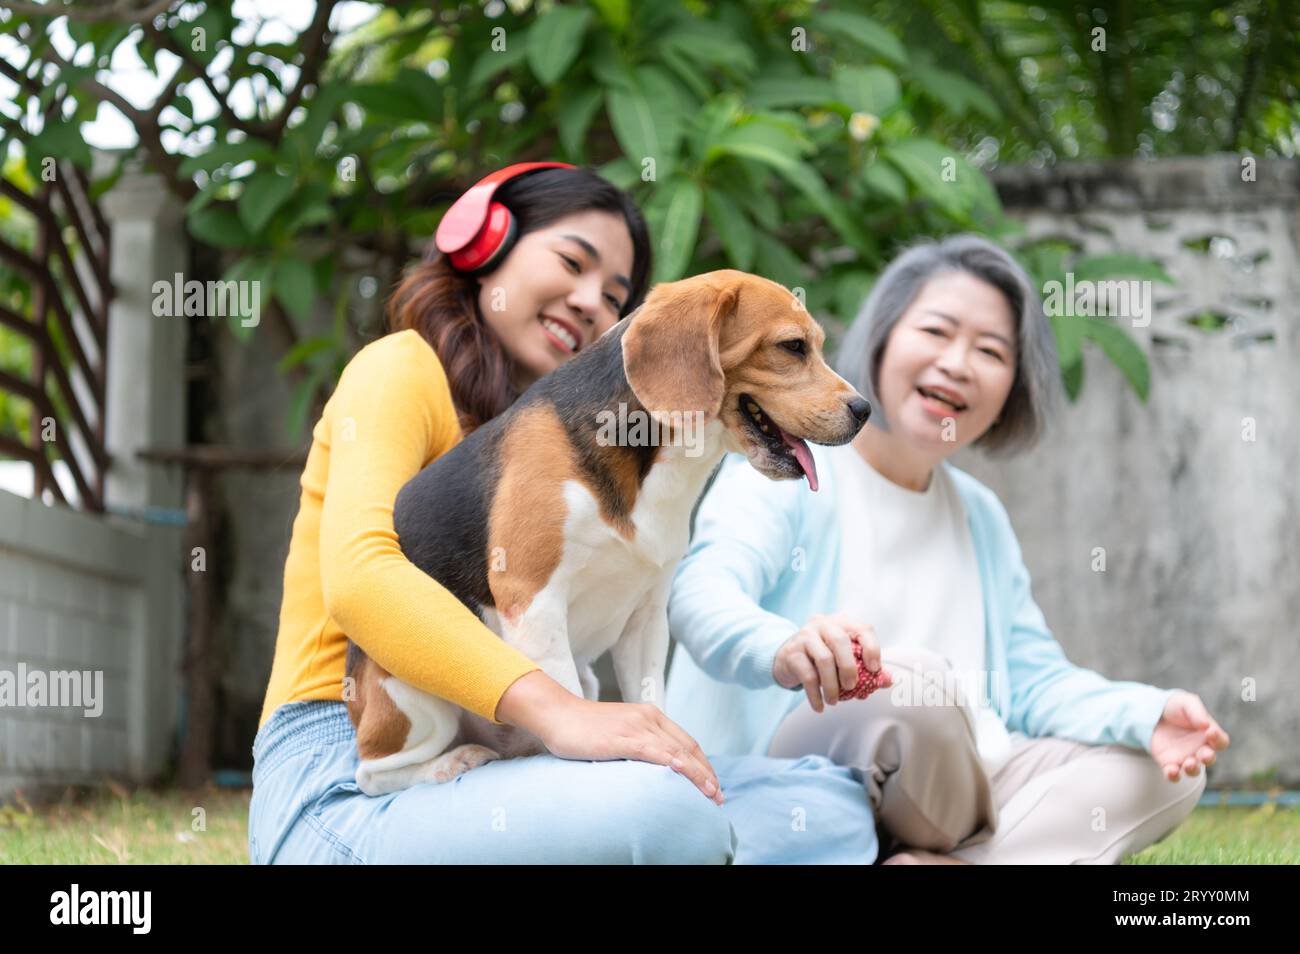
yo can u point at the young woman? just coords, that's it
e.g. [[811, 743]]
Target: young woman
[[624, 782], [984, 744]]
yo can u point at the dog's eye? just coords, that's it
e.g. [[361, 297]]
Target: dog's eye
[[794, 347]]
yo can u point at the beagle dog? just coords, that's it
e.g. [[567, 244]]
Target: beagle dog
[[564, 536]]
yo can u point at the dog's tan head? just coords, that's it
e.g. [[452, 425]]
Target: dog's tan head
[[743, 350]]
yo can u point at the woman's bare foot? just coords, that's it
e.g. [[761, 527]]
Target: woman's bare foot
[[917, 857]]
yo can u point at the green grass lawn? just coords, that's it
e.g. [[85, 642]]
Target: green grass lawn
[[114, 826]]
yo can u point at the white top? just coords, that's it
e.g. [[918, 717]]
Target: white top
[[908, 568]]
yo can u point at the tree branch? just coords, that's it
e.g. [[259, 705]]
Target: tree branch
[[167, 42], [146, 126], [316, 42], [123, 11]]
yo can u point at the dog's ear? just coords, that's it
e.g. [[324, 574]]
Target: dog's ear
[[670, 350]]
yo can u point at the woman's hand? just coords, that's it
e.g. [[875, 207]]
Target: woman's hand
[[820, 658], [575, 728], [1186, 736]]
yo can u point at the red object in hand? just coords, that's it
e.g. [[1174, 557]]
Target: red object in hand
[[868, 682]]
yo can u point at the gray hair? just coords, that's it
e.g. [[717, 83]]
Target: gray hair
[[1036, 388]]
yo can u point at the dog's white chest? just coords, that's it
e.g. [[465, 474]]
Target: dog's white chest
[[606, 575]]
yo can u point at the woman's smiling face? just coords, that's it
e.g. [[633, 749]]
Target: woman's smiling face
[[560, 288], [954, 343]]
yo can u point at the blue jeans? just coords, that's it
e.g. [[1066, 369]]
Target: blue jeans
[[307, 809]]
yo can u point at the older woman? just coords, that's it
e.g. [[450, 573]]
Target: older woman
[[983, 744]]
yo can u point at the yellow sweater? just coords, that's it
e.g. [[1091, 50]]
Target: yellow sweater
[[390, 415]]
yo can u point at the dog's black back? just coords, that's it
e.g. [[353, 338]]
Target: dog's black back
[[441, 514]]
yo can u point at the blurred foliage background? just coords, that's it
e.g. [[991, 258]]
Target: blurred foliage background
[[805, 141]]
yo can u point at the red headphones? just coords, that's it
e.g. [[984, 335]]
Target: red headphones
[[476, 233]]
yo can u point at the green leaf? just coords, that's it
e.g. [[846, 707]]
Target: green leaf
[[320, 110], [323, 277], [681, 225], [775, 91], [300, 404], [226, 153], [734, 230], [798, 173], [242, 68], [574, 117], [864, 31], [622, 172], [263, 195], [851, 291], [955, 92], [202, 46], [491, 62], [382, 99], [942, 174], [107, 36], [71, 75], [99, 187], [424, 88], [1119, 264], [554, 41], [284, 52], [205, 196], [220, 227], [294, 287], [711, 121], [645, 127], [1069, 339], [688, 71], [617, 13], [1072, 378], [1123, 351], [775, 261], [60, 141], [314, 213], [885, 180], [867, 89], [1045, 259], [608, 64], [761, 204], [760, 136], [710, 44], [304, 350], [251, 273]]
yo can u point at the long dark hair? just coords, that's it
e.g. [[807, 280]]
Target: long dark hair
[[442, 303]]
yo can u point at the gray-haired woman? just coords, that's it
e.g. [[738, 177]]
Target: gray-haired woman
[[983, 743]]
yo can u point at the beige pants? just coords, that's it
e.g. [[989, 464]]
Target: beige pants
[[1054, 802]]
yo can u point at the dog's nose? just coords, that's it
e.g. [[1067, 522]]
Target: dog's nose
[[860, 410]]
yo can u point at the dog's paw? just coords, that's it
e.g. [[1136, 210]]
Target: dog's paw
[[459, 760]]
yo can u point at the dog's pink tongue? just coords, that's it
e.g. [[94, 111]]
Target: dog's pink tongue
[[804, 456]]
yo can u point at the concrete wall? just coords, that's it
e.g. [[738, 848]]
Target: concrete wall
[[1200, 524], [105, 593], [96, 595]]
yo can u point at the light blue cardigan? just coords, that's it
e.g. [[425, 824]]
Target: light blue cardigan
[[764, 558]]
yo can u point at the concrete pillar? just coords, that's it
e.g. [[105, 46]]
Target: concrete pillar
[[146, 390]]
